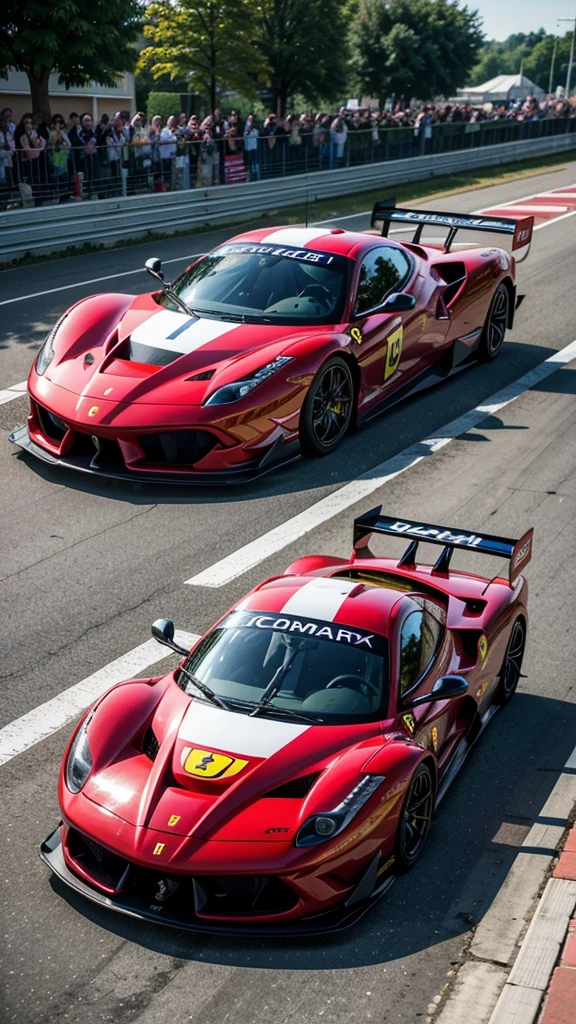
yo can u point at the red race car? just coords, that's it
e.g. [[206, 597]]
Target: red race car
[[269, 346], [289, 768]]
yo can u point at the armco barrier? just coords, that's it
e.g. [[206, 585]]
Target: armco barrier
[[49, 228]]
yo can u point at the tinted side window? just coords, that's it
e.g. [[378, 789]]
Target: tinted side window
[[410, 651], [381, 272], [432, 632]]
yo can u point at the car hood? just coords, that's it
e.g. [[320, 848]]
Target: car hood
[[226, 776], [153, 354]]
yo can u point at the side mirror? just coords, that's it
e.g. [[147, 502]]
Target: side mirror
[[444, 688], [163, 632], [399, 302], [154, 267]]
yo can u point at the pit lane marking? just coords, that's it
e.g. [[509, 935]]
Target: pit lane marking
[[67, 706], [250, 555]]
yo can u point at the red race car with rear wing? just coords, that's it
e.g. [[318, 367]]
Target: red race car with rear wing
[[289, 768], [268, 347]]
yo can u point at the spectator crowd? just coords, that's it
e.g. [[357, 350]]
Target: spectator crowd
[[127, 154]]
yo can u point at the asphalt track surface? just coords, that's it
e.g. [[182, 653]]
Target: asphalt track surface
[[87, 565]]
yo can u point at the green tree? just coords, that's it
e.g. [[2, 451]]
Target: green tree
[[417, 48], [505, 58], [305, 44], [208, 42], [81, 40], [538, 65]]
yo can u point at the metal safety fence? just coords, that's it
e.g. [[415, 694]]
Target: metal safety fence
[[51, 175]]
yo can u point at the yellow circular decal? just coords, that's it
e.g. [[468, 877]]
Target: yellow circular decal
[[93, 410], [483, 648]]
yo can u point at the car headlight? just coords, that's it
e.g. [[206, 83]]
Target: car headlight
[[240, 388], [321, 827], [79, 763], [46, 353]]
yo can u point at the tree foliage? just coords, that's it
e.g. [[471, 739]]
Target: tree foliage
[[419, 48], [533, 51], [208, 42], [305, 45], [82, 40]]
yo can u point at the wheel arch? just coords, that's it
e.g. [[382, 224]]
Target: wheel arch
[[511, 287]]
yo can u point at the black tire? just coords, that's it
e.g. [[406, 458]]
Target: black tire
[[494, 330], [413, 828], [327, 410], [512, 664]]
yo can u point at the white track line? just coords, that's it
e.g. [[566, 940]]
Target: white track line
[[14, 391], [95, 280], [258, 550], [46, 719]]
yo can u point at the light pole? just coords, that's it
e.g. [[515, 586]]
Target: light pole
[[551, 80], [571, 61]]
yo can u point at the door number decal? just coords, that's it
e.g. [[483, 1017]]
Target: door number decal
[[393, 351]]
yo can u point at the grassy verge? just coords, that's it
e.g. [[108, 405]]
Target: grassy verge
[[341, 206]]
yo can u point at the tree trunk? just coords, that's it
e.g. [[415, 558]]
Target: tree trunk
[[40, 95]]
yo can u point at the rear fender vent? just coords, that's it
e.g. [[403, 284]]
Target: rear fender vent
[[298, 788], [455, 275]]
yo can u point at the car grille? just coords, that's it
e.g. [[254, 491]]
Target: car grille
[[177, 447], [105, 868], [242, 894], [51, 425]]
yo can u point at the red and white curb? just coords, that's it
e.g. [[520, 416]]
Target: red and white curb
[[509, 970]]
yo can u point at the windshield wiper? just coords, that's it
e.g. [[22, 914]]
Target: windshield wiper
[[236, 318], [276, 681], [288, 711], [205, 690]]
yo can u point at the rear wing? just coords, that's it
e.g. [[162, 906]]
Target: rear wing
[[518, 552], [387, 213]]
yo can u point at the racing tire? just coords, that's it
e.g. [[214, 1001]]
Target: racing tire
[[415, 820], [494, 330], [327, 410], [512, 665]]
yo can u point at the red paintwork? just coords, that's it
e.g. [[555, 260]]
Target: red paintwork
[[133, 398], [223, 826]]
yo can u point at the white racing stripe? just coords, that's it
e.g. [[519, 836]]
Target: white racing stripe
[[175, 332], [208, 727], [319, 599], [67, 706], [245, 558], [293, 236]]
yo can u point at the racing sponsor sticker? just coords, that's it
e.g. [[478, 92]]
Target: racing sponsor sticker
[[307, 627], [325, 259], [174, 819], [156, 852], [356, 335], [393, 351], [409, 722], [483, 648], [434, 738]]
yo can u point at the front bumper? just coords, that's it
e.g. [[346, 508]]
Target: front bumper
[[136, 901], [97, 464]]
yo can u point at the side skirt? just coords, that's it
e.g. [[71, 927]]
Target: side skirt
[[461, 752]]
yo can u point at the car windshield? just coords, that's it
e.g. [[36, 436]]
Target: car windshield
[[265, 284], [325, 672]]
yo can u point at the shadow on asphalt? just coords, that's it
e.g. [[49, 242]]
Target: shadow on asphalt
[[475, 837], [382, 438]]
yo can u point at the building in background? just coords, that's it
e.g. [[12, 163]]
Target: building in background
[[93, 98], [502, 89]]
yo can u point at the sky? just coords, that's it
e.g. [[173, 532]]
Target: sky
[[503, 17]]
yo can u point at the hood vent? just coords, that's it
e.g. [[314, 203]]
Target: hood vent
[[297, 788], [205, 375], [150, 745]]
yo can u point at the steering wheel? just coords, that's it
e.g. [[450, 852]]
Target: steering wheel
[[319, 291], [354, 683]]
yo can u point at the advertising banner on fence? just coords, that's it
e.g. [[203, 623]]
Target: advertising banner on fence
[[234, 169]]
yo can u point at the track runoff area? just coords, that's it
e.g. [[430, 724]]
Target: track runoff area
[[526, 471]]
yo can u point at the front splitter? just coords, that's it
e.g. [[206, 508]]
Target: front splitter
[[132, 904], [279, 455]]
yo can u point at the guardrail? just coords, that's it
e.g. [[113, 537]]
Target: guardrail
[[47, 229]]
